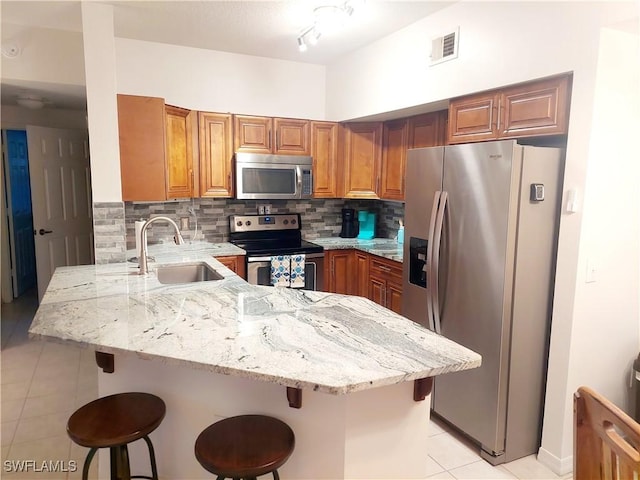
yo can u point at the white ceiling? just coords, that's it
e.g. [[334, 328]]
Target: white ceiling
[[261, 28]]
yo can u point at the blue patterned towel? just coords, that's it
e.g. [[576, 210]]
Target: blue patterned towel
[[280, 270], [297, 271]]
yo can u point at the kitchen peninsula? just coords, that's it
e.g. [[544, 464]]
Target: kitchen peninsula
[[218, 348]]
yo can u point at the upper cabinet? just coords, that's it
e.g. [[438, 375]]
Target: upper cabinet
[[428, 130], [216, 155], [395, 140], [179, 152], [156, 149], [324, 150], [363, 157], [281, 136], [531, 109]]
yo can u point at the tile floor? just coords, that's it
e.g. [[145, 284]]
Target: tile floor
[[43, 383]]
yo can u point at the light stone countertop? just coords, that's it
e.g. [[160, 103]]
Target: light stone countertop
[[383, 247], [326, 342]]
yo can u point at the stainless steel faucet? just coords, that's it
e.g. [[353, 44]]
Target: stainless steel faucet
[[142, 261]]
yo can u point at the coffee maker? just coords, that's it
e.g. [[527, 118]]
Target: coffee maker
[[349, 223]]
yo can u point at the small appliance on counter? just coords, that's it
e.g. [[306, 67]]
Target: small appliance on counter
[[367, 222], [349, 223]]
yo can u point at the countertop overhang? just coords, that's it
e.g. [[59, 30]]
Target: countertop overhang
[[326, 342]]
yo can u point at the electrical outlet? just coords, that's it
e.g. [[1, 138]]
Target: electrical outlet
[[184, 223], [267, 209], [261, 209]]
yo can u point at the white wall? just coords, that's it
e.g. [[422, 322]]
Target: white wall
[[509, 42], [221, 82], [18, 118]]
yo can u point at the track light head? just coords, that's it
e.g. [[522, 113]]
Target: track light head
[[302, 46]]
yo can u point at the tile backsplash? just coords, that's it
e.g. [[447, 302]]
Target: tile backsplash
[[320, 217]]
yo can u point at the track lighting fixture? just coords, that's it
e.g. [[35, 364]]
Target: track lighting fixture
[[327, 18]]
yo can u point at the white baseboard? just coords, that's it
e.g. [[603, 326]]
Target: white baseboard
[[559, 466]]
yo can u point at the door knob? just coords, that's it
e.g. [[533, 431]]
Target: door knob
[[42, 231]]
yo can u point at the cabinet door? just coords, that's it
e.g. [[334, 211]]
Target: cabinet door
[[361, 260], [473, 118], [179, 152], [252, 134], [216, 155], [395, 140], [377, 290], [141, 125], [428, 130], [394, 297], [235, 263], [340, 271], [324, 150], [539, 108], [363, 152], [292, 137]]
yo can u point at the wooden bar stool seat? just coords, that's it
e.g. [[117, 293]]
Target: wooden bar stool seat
[[245, 447], [113, 422]]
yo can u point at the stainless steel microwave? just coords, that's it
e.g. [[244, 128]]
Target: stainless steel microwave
[[273, 177]]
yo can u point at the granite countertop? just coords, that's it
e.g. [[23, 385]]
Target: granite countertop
[[297, 338], [383, 247]]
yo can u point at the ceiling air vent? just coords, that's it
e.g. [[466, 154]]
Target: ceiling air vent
[[445, 47]]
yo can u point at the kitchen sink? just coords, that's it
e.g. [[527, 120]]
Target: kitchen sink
[[187, 273]]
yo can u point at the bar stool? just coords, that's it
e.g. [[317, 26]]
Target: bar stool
[[245, 447], [113, 422]]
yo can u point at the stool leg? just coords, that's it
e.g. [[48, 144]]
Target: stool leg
[[120, 463], [87, 463], [152, 458], [276, 476]]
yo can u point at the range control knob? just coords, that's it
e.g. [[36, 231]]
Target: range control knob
[[239, 223], [286, 222], [293, 221], [248, 222]]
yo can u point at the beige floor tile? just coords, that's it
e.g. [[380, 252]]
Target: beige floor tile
[[481, 470], [442, 476], [433, 467], [529, 468], [54, 450], [8, 430], [449, 452], [37, 428], [16, 358], [435, 428], [5, 453], [47, 405], [17, 374], [15, 391], [79, 454], [58, 371], [11, 410], [50, 386]]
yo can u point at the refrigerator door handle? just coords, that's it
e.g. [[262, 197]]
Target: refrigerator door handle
[[429, 261], [435, 269]]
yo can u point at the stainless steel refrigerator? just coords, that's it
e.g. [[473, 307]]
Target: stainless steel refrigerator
[[480, 248]]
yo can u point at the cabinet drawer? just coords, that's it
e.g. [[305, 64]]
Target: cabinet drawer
[[386, 268]]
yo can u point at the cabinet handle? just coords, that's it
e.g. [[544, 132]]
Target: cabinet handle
[[378, 184], [277, 144], [384, 296], [384, 269], [269, 139]]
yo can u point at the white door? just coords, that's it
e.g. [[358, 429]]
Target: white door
[[61, 199]]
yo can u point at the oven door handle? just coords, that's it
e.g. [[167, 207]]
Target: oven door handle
[[308, 256]]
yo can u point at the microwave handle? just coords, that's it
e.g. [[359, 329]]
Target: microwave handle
[[299, 181]]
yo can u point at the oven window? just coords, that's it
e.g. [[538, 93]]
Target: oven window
[[269, 180]]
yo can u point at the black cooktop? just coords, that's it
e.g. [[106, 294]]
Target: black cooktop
[[277, 247]]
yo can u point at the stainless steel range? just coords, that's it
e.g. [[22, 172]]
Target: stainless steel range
[[267, 236]]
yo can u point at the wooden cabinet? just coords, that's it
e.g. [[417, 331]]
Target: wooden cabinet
[[428, 130], [324, 150], [179, 152], [281, 136], [156, 149], [339, 274], [361, 285], [385, 283], [235, 263], [216, 155], [531, 109], [141, 126], [363, 156], [395, 141]]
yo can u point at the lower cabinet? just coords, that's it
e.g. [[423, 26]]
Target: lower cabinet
[[353, 272], [235, 263]]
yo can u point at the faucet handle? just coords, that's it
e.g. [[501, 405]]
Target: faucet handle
[[178, 239]]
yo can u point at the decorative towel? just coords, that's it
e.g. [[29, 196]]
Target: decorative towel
[[297, 271], [280, 270]]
